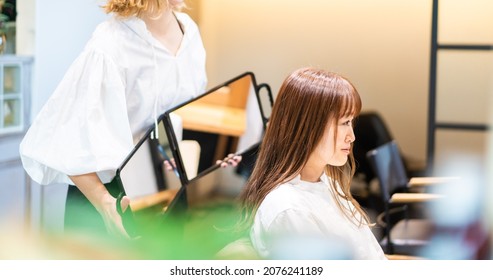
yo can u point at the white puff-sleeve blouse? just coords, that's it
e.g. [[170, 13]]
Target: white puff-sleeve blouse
[[110, 95]]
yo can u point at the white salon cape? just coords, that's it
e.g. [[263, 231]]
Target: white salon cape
[[111, 94], [301, 220]]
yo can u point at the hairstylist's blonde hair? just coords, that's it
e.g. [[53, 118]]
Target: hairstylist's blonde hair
[[309, 99], [128, 8]]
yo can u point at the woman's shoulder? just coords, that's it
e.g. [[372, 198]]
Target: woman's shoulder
[[284, 203], [297, 195], [284, 190], [283, 197]]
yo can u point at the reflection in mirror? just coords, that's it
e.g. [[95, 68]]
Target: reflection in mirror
[[225, 120], [143, 175]]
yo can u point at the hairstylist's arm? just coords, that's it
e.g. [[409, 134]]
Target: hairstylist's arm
[[103, 201]]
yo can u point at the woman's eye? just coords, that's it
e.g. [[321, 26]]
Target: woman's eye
[[347, 123]]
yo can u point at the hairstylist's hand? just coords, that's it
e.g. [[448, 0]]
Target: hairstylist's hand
[[94, 190], [169, 165], [112, 219], [231, 159]]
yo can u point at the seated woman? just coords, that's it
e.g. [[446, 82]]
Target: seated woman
[[300, 186]]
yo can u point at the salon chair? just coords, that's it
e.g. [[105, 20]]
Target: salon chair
[[407, 227], [371, 131]]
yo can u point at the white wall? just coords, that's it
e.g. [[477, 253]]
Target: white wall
[[61, 30], [383, 46]]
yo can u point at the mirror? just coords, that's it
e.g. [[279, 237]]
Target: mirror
[[143, 176], [151, 187], [228, 119]]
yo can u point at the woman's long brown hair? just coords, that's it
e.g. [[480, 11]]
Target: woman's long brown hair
[[307, 101]]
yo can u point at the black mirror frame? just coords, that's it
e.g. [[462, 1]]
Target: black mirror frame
[[172, 137]]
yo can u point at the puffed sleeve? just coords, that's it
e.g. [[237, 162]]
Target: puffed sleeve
[[83, 127]]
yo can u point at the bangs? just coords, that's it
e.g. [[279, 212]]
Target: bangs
[[350, 103]]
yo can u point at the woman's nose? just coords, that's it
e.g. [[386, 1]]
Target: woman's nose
[[350, 136]]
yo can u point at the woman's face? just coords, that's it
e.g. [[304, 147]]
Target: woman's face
[[336, 154]]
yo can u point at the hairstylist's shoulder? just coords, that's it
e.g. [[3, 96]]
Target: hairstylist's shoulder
[[106, 32], [108, 39]]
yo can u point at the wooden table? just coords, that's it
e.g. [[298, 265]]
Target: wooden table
[[225, 121], [212, 118]]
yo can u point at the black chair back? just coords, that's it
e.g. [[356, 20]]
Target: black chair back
[[370, 131], [387, 163]]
